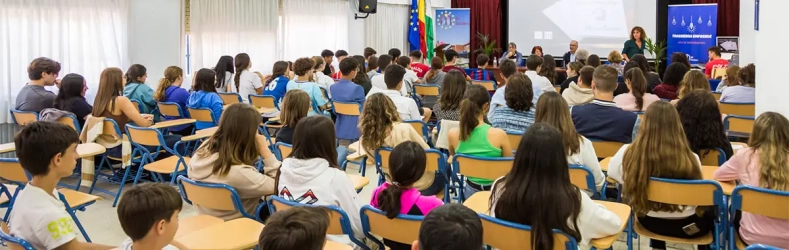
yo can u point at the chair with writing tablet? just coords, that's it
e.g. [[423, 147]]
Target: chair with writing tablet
[[22, 118], [712, 157], [757, 201], [435, 160], [489, 85], [605, 149], [174, 165], [402, 229], [339, 221], [350, 109], [738, 126], [215, 196], [515, 139], [583, 178], [421, 128], [490, 168], [737, 108], [505, 235], [229, 97]]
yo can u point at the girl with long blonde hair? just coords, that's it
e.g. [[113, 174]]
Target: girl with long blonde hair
[[660, 150], [764, 163], [693, 80], [295, 105], [170, 90]]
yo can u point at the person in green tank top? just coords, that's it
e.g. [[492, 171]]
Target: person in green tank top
[[475, 137]]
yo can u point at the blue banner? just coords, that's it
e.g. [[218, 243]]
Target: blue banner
[[453, 27], [692, 30]]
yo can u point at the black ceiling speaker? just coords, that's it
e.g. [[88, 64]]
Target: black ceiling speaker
[[368, 6]]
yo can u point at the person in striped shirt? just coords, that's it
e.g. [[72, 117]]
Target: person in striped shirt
[[482, 74]]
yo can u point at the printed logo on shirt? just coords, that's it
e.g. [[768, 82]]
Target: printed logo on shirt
[[309, 196], [60, 227]]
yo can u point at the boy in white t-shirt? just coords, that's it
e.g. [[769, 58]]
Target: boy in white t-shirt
[[48, 151], [148, 214], [410, 78]]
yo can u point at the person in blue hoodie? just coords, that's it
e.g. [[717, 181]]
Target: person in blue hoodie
[[277, 84], [170, 90], [205, 96], [136, 90]]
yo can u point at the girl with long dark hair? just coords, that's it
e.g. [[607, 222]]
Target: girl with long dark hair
[[277, 84], [71, 97], [637, 99], [225, 74]]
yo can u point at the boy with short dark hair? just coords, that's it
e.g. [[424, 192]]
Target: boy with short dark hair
[[341, 55], [417, 66], [328, 57], [48, 151], [406, 107], [482, 74], [410, 77], [148, 214], [377, 80], [715, 61], [298, 228], [345, 90], [451, 226], [601, 119], [368, 52], [33, 97], [581, 92], [452, 57], [394, 53]]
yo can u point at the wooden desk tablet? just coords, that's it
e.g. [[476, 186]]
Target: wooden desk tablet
[[479, 202], [241, 233], [622, 211], [172, 123], [7, 147], [191, 224], [200, 134], [358, 181], [708, 173], [90, 149], [604, 164], [261, 110], [331, 245]]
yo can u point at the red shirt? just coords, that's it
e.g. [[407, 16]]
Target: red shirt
[[451, 67], [717, 63], [420, 69]]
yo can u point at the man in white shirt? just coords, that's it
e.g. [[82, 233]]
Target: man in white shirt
[[405, 106], [378, 80], [48, 151]]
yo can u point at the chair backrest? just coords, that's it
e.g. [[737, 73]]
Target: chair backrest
[[685, 192], [761, 201], [741, 109], [403, 228], [761, 247], [13, 243], [605, 149], [582, 177], [277, 203], [505, 235], [713, 157], [145, 136], [11, 170], [738, 124], [136, 104], [558, 88], [482, 167], [420, 127], [718, 72], [210, 195], [325, 93], [717, 95], [202, 115], [22, 118], [515, 139], [229, 97], [71, 121], [111, 128], [435, 160], [284, 149], [427, 89], [170, 109], [489, 85], [263, 101], [347, 108]]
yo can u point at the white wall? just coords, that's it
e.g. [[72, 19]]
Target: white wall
[[747, 33], [155, 36], [771, 87], [356, 30]]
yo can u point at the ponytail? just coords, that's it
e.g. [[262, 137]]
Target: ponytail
[[638, 85], [389, 200], [237, 77], [471, 108], [430, 74], [242, 63], [171, 74], [159, 95], [436, 64]]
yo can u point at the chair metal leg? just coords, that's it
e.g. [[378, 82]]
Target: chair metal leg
[[120, 189], [139, 171], [70, 211]]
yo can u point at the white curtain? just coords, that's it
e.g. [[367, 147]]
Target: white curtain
[[229, 27], [388, 28], [85, 36], [310, 26]]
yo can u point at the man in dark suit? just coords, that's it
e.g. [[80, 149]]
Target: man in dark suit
[[570, 55]]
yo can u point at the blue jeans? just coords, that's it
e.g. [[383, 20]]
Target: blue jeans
[[436, 187]]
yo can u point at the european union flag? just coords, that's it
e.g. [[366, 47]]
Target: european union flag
[[413, 27]]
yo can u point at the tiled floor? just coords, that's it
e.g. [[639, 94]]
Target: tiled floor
[[101, 220]]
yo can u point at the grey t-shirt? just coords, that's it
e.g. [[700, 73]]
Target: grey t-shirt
[[34, 98]]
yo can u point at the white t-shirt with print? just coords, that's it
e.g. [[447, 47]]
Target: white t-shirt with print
[[248, 82], [127, 245], [41, 219]]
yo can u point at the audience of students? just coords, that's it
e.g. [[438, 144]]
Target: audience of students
[[730, 79], [361, 78], [518, 115], [225, 70], [746, 91], [303, 69], [580, 92], [452, 57], [407, 165], [615, 60], [378, 78], [136, 89], [228, 157], [452, 90], [451, 226], [295, 105], [593, 60], [671, 81], [277, 84], [653, 78], [701, 121], [540, 166], [637, 99], [601, 119], [475, 137], [762, 164], [33, 97], [716, 62], [540, 83], [573, 72], [481, 74], [311, 171], [205, 97], [635, 163], [410, 78], [170, 90], [551, 110], [247, 83], [507, 69], [417, 65], [71, 97], [436, 74], [328, 57], [302, 228], [348, 92], [148, 214]]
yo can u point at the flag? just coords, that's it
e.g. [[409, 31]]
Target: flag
[[414, 35], [420, 9], [429, 38]]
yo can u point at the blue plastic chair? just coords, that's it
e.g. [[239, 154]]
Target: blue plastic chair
[[137, 104], [582, 177], [494, 228], [11, 241], [421, 127], [684, 192], [284, 149], [337, 216], [375, 224], [480, 167], [738, 126], [263, 101], [229, 97], [215, 196], [436, 161], [712, 157], [761, 247], [109, 122], [757, 201], [141, 137], [22, 118], [738, 108], [350, 109]]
